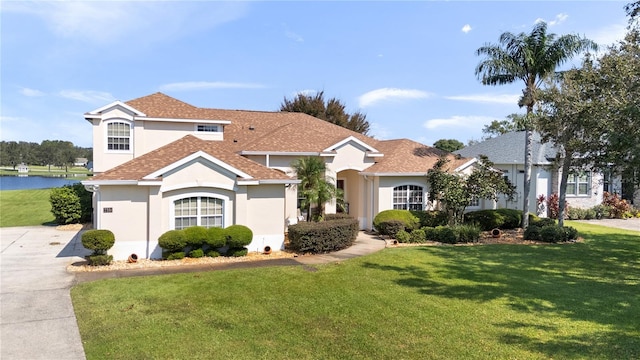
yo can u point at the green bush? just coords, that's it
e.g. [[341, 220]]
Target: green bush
[[98, 240], [445, 234], [238, 236], [65, 205], [430, 233], [418, 236], [173, 240], [100, 260], [485, 219], [86, 202], [533, 218], [176, 255], [408, 220], [390, 228], [197, 253], [337, 216], [431, 218], [467, 233], [213, 253], [512, 218], [322, 237], [544, 222], [403, 236], [195, 236], [237, 252], [570, 233], [552, 234], [532, 232], [215, 237]]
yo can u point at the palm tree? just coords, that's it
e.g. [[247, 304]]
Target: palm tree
[[314, 187], [532, 58]]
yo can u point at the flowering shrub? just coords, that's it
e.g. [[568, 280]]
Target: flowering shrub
[[618, 208], [553, 207]]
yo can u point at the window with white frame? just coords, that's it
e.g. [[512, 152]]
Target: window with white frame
[[475, 202], [579, 184], [408, 197], [198, 211], [118, 136], [207, 128]]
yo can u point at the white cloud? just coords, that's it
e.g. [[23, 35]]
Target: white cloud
[[383, 94], [204, 85], [472, 122], [559, 19], [31, 92], [466, 28], [487, 98], [112, 21], [608, 35], [88, 96]]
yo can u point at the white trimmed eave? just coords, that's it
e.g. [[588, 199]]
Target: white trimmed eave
[[466, 165], [116, 103], [268, 182], [199, 121], [194, 156], [282, 153], [371, 151], [122, 182], [393, 173]]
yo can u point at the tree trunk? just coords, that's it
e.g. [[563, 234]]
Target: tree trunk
[[566, 165], [527, 177]]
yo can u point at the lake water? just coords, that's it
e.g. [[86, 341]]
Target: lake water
[[33, 182]]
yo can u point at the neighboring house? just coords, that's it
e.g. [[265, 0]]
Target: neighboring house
[[81, 162], [23, 168], [162, 164], [584, 189]]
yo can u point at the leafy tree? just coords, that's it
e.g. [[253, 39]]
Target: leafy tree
[[314, 187], [449, 145], [513, 122], [332, 111], [453, 192], [530, 58]]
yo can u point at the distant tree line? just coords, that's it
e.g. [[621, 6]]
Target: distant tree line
[[47, 153]]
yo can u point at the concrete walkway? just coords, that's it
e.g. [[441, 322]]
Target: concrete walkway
[[37, 320], [627, 224]]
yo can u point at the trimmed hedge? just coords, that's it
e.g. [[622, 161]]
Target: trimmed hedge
[[543, 231], [337, 216], [387, 222], [216, 238], [196, 236], [197, 253], [238, 236], [173, 240], [237, 252], [100, 260], [322, 237], [98, 240], [494, 219], [431, 218]]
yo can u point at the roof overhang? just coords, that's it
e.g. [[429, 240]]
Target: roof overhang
[[122, 182], [192, 157], [370, 151], [96, 113], [200, 121], [282, 153], [466, 165], [393, 173], [268, 182]]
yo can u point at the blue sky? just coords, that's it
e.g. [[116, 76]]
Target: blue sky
[[409, 66]]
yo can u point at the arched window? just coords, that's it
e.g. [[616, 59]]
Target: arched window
[[408, 197], [198, 211], [118, 136]]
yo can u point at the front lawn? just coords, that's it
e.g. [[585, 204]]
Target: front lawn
[[564, 301], [25, 207]]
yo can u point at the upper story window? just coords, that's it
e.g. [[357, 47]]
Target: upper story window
[[118, 136], [579, 184], [207, 128], [408, 197]]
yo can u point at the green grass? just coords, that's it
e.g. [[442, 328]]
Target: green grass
[[570, 301], [25, 207]]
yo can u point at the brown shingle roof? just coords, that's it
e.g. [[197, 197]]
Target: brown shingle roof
[[148, 163], [408, 156]]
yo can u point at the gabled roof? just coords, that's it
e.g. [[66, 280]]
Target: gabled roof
[[175, 153], [407, 157], [509, 149]]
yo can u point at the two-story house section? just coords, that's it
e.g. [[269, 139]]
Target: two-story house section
[[163, 164]]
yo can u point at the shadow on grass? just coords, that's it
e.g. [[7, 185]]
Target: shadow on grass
[[597, 282]]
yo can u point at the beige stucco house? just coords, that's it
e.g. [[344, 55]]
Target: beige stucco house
[[162, 164]]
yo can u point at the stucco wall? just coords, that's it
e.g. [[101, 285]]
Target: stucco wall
[[265, 216], [386, 185]]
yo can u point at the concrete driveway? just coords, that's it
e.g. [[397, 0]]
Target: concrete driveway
[[36, 315]]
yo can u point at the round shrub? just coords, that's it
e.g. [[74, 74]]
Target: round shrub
[[237, 252], [195, 236], [403, 236], [197, 253], [542, 222], [238, 236], [552, 234], [431, 218], [430, 233], [408, 220], [512, 218], [485, 219], [173, 240], [65, 205], [532, 232], [215, 237], [176, 255], [418, 236], [570, 233], [445, 234], [98, 240], [390, 228]]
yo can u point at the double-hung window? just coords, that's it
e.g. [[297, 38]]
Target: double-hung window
[[198, 211], [579, 184], [408, 197], [118, 136]]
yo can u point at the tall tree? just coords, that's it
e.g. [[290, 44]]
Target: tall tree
[[449, 145], [513, 122], [332, 111], [530, 58], [314, 187]]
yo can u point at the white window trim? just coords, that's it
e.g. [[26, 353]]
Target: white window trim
[[577, 183], [106, 136], [424, 195], [226, 206], [218, 127]]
